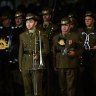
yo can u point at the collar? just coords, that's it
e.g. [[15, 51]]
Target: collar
[[32, 31]]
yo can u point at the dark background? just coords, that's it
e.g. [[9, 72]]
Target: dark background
[[60, 8]]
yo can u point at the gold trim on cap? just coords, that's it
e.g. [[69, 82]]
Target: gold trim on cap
[[29, 17], [45, 12], [18, 13], [64, 22]]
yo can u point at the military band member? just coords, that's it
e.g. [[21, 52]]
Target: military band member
[[17, 29], [50, 29], [5, 74], [74, 23], [47, 25], [66, 51], [19, 19], [89, 55], [29, 56]]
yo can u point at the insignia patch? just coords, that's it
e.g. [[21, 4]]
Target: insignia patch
[[3, 44], [61, 42]]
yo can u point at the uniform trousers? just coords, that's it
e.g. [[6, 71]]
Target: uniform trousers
[[67, 81], [32, 82]]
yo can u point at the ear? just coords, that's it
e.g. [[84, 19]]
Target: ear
[[35, 23]]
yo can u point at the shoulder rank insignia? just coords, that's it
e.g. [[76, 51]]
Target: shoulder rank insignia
[[3, 44]]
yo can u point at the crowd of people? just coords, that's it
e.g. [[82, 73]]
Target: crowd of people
[[43, 58]]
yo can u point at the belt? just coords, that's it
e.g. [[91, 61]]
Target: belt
[[28, 52]]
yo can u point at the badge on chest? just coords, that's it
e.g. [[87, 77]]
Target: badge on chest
[[3, 44]]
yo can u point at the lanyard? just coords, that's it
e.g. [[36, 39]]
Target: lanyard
[[87, 40]]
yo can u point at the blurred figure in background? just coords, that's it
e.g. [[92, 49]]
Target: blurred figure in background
[[50, 29], [14, 64], [88, 35], [74, 23], [5, 31]]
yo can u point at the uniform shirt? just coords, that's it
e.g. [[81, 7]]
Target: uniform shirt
[[28, 44], [50, 29]]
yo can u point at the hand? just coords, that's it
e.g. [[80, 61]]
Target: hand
[[35, 56], [94, 47], [20, 70]]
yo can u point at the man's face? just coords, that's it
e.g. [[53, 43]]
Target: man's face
[[30, 24], [65, 28], [6, 22], [19, 20], [46, 17], [89, 21]]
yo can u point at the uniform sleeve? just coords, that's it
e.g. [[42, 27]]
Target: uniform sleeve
[[54, 53], [45, 45], [79, 49], [20, 53]]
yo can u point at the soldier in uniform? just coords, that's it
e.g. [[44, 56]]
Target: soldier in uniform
[[5, 31], [29, 56], [19, 19], [74, 24], [66, 52], [50, 29], [14, 66], [17, 30], [47, 26], [89, 55]]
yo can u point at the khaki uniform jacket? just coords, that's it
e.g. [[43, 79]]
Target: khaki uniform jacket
[[66, 61], [27, 44]]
